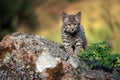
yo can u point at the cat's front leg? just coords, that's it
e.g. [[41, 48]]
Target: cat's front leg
[[78, 48], [85, 47], [68, 48]]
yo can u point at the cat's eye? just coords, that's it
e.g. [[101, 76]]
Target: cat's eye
[[75, 24], [68, 24]]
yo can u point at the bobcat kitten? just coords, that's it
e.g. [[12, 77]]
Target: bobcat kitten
[[73, 35]]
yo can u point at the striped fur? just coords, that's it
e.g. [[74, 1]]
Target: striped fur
[[72, 32]]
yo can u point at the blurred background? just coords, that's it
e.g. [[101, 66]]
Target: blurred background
[[100, 18]]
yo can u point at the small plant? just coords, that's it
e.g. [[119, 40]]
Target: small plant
[[98, 55]]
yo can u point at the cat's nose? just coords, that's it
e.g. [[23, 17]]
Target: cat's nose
[[72, 27]]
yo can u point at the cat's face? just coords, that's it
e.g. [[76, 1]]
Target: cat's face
[[71, 22]]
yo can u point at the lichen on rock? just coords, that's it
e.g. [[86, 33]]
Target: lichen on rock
[[25, 56], [45, 60]]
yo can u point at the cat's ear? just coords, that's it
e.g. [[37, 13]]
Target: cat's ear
[[64, 15], [78, 16]]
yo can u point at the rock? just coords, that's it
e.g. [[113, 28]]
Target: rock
[[30, 57]]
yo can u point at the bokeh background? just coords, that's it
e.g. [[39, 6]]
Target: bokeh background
[[100, 18]]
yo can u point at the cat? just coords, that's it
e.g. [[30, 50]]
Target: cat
[[72, 33]]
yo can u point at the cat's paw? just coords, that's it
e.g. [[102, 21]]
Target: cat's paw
[[69, 50], [77, 50]]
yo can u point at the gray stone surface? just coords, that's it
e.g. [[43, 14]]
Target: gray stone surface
[[30, 57]]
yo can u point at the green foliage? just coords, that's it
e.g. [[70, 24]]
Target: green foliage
[[99, 55], [117, 75]]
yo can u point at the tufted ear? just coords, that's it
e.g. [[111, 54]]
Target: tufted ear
[[78, 16], [64, 15]]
